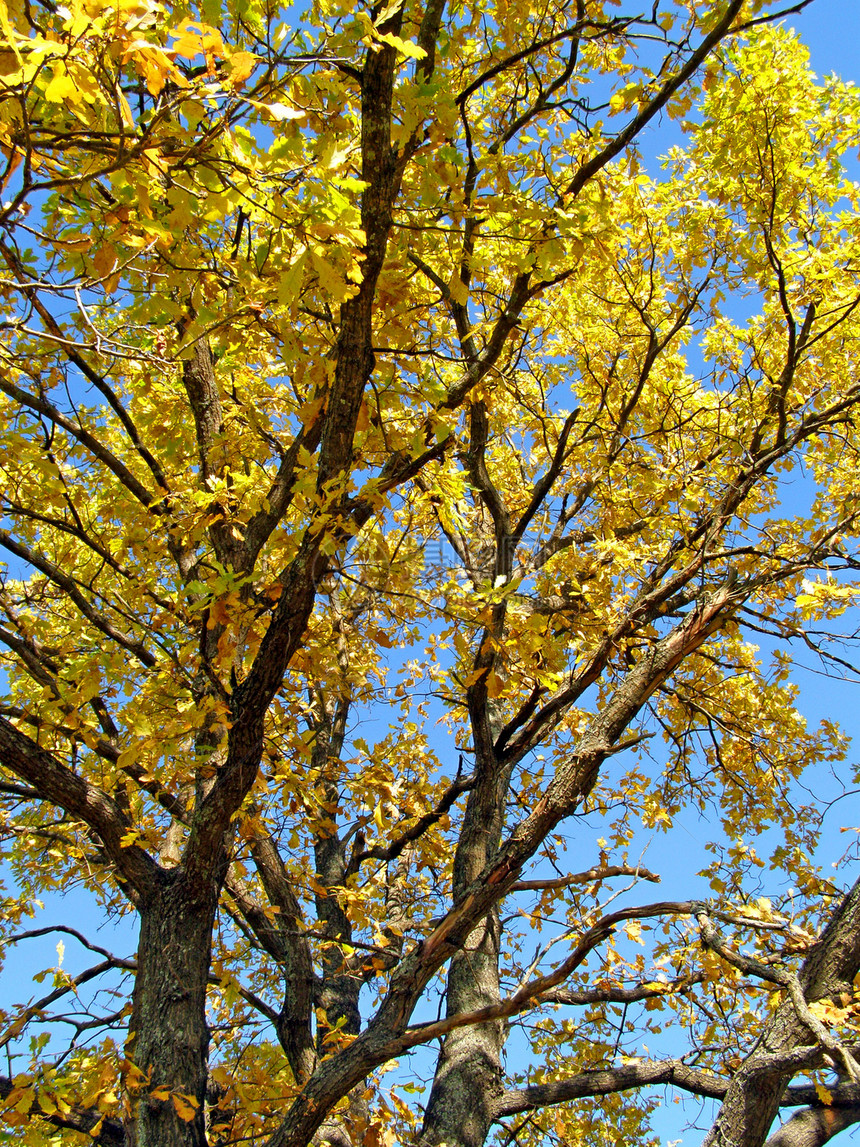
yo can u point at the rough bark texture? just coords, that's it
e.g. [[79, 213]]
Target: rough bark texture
[[177, 904], [170, 1037], [467, 1079], [468, 1071], [814, 1126]]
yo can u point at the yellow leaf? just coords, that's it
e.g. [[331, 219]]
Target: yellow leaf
[[9, 33], [185, 1106], [25, 1100], [458, 290], [47, 1104], [633, 929], [154, 65], [495, 685], [824, 1094], [278, 111], [404, 47], [104, 260], [241, 65], [219, 612], [62, 87], [196, 39], [363, 420]]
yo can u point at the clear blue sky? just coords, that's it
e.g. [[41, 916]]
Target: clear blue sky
[[831, 31]]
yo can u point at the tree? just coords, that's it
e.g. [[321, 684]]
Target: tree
[[395, 480]]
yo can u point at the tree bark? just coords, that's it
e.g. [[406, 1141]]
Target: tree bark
[[467, 1079], [814, 1126], [468, 1072], [169, 1035]]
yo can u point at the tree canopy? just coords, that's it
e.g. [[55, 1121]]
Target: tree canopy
[[412, 491]]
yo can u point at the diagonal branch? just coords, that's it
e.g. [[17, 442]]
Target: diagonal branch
[[41, 405], [415, 831], [655, 105], [70, 587], [63, 787], [531, 992]]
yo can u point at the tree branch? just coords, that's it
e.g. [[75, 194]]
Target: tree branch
[[76, 1118], [69, 791]]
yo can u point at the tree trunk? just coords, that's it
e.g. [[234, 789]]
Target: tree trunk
[[468, 1072], [169, 1033], [467, 1081]]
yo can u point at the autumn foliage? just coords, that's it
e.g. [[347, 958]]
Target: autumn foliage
[[413, 494]]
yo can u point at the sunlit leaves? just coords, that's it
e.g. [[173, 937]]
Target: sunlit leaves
[[582, 416]]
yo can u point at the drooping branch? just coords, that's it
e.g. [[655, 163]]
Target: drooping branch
[[74, 1117], [790, 983], [842, 1111], [87, 370], [66, 789], [608, 1081]]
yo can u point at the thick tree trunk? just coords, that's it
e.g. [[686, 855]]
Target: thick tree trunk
[[468, 1072], [467, 1082], [170, 1036]]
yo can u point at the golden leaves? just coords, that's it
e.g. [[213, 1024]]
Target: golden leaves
[[62, 87], [373, 38], [825, 599], [155, 65], [234, 221], [241, 65], [823, 1093], [192, 39], [184, 1105]]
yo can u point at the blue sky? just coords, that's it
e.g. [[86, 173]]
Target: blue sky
[[831, 31]]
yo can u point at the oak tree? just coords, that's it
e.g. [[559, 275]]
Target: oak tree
[[411, 491]]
